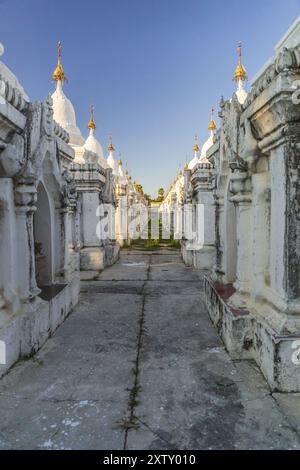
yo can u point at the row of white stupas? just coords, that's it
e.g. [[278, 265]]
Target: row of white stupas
[[64, 114], [239, 77]]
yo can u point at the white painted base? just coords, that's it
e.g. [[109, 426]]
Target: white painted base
[[112, 252], [92, 259], [25, 332], [203, 258]]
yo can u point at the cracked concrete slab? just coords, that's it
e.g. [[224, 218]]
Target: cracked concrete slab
[[138, 365]]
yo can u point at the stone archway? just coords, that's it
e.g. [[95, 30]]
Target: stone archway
[[43, 239]]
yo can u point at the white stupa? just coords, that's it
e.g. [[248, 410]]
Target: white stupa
[[120, 168], [64, 113], [121, 177], [210, 141], [196, 149], [110, 159], [92, 144]]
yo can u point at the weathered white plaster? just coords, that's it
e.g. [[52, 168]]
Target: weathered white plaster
[[48, 220], [253, 292]]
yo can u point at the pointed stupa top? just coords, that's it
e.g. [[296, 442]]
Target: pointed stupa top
[[196, 146], [91, 123], [240, 72], [210, 141], [63, 109], [212, 125], [110, 159], [196, 149], [59, 74], [110, 145]]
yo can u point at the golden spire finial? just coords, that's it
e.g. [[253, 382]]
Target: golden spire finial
[[196, 146], [59, 47], [120, 163], [59, 74], [91, 124], [240, 72], [212, 125], [110, 145]]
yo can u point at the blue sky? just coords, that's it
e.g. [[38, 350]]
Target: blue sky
[[152, 68]]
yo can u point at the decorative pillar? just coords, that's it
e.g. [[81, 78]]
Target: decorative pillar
[[219, 270], [67, 216], [178, 221], [285, 222], [261, 226], [120, 216], [77, 224], [25, 199], [204, 249], [240, 186]]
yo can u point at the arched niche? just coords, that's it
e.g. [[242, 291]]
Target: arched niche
[[43, 244], [52, 180]]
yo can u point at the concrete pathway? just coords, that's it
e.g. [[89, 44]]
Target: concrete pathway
[[138, 365]]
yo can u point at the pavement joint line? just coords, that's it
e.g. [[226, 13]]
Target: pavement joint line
[[135, 390], [50, 400]]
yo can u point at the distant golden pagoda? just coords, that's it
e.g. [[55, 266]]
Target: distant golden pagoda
[[196, 146], [59, 74], [212, 125], [91, 124], [110, 145], [240, 72]]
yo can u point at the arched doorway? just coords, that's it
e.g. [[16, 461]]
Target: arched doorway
[[42, 239]]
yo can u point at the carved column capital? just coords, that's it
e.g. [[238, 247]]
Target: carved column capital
[[240, 187], [25, 198]]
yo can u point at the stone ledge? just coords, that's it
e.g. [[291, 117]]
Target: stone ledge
[[246, 337], [233, 325]]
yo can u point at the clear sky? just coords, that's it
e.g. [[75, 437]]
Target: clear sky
[[152, 68]]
